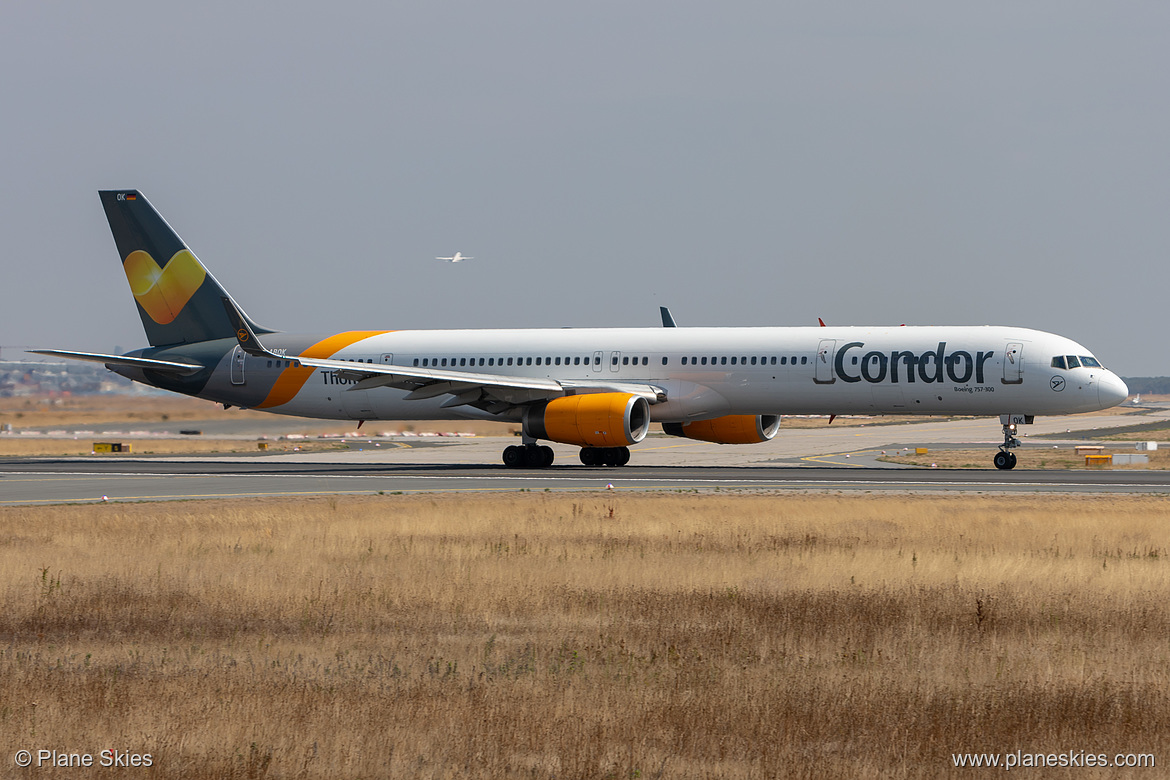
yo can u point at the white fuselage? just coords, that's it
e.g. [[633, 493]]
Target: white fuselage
[[710, 372]]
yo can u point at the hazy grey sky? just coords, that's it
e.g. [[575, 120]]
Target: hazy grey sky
[[757, 163]]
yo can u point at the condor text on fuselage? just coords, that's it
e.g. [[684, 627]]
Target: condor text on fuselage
[[595, 388], [960, 366]]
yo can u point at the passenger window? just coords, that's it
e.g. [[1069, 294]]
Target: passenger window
[[684, 360], [645, 360], [416, 361], [529, 362], [1072, 361], [773, 360], [743, 360], [704, 361], [804, 361], [753, 360], [538, 361], [576, 361], [664, 361], [733, 360], [509, 361], [626, 361], [723, 360]]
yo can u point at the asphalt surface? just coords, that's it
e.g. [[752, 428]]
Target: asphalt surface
[[71, 481], [841, 459]]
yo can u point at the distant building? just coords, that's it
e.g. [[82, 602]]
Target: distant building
[[37, 377]]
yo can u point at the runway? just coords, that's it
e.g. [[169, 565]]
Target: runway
[[70, 481], [843, 459]]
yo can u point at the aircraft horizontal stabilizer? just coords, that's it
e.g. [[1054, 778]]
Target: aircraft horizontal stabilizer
[[165, 366]]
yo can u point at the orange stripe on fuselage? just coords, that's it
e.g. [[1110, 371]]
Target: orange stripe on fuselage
[[291, 380]]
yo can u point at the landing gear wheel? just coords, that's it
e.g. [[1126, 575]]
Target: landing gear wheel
[[615, 456], [1005, 458], [513, 456], [530, 456], [605, 456]]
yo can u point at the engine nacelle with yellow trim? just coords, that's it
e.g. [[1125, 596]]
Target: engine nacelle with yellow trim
[[590, 420], [729, 429]]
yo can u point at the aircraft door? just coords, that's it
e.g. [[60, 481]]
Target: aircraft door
[[598, 356], [237, 362], [615, 359], [823, 374], [1013, 364]]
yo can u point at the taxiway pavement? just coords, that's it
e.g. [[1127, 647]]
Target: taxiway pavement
[[797, 459]]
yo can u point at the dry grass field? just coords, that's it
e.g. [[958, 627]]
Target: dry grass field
[[586, 635], [94, 409], [184, 412]]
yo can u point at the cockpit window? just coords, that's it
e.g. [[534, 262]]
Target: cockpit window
[[1072, 361], [1058, 362], [1090, 362]]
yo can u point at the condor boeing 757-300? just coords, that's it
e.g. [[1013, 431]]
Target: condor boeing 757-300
[[596, 388]]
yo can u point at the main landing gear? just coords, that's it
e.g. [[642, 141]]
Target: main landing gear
[[1005, 458], [539, 456], [531, 456], [605, 456]]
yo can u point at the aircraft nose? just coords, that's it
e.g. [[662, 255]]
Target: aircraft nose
[[1111, 390]]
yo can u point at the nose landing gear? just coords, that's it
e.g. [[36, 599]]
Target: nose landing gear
[[1005, 458]]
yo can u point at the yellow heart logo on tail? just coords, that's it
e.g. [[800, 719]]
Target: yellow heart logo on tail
[[163, 292]]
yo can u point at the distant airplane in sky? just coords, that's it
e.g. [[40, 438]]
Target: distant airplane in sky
[[458, 258]]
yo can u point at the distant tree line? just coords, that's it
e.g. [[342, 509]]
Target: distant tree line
[[1151, 385]]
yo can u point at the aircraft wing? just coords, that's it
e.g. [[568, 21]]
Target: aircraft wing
[[166, 366], [491, 392]]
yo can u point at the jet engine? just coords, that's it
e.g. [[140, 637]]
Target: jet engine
[[590, 420], [729, 429]]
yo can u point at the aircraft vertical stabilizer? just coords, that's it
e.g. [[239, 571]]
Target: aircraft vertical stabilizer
[[178, 300]]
